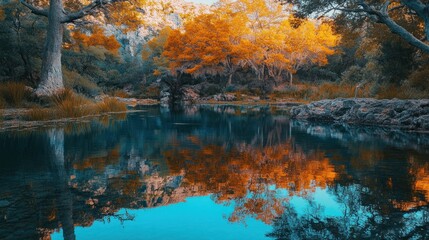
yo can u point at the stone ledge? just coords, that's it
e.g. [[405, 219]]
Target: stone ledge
[[407, 114]]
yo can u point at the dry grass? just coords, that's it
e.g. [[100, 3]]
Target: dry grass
[[302, 92], [38, 113], [2, 103], [326, 90], [389, 91], [332, 91], [67, 104], [13, 93], [110, 105], [121, 94]]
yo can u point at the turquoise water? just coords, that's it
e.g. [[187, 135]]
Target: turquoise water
[[213, 173]]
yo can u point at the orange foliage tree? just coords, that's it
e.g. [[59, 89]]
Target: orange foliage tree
[[97, 38], [206, 46], [255, 34]]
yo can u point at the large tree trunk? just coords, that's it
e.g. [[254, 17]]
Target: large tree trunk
[[65, 197], [51, 76], [290, 79]]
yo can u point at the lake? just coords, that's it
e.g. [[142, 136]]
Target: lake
[[213, 172]]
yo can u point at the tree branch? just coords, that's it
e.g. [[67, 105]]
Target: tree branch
[[70, 17], [384, 18], [34, 9]]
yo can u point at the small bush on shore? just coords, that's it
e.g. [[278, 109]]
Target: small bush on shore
[[68, 104], [121, 94], [110, 105]]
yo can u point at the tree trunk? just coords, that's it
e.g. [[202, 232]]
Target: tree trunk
[[229, 79], [51, 75], [290, 79], [65, 197]]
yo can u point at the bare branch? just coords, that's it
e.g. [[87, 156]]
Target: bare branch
[[417, 6], [34, 9], [396, 8], [384, 18], [70, 17]]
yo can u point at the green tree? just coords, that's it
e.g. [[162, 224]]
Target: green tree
[[382, 11]]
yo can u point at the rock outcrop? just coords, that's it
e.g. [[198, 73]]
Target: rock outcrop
[[225, 97], [189, 95], [408, 114]]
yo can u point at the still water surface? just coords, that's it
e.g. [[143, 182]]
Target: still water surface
[[213, 173]]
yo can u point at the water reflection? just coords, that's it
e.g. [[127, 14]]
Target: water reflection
[[309, 181]]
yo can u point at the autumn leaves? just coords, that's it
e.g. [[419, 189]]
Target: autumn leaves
[[255, 35]]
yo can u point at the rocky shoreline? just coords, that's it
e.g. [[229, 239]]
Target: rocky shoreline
[[406, 114]]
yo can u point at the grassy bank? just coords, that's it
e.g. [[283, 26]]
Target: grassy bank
[[64, 104]]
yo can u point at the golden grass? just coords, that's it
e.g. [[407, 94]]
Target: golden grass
[[13, 93], [67, 104], [389, 91], [121, 94], [326, 90], [110, 105], [70, 105], [332, 91], [38, 113]]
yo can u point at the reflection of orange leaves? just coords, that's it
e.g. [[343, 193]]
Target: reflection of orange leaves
[[422, 181], [194, 139], [207, 151], [245, 174], [420, 173], [99, 163], [52, 215]]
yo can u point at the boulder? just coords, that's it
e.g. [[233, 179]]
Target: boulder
[[189, 95]]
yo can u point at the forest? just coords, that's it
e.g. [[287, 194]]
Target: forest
[[57, 56]]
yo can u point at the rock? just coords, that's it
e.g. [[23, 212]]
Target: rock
[[165, 97], [189, 95], [132, 102], [224, 97], [409, 114]]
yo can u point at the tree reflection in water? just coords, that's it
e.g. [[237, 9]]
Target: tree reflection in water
[[248, 158]]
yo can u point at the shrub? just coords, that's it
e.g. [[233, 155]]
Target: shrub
[[79, 83], [332, 90], [209, 89], [405, 91], [14, 93], [152, 91], [121, 94], [260, 88], [303, 92], [69, 104], [111, 105], [231, 88], [62, 96], [2, 103], [420, 79]]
